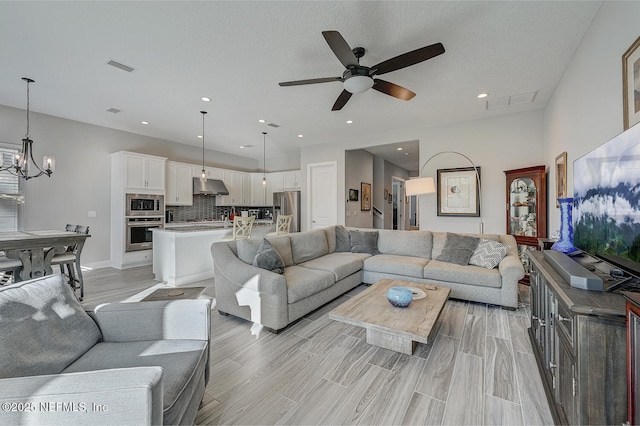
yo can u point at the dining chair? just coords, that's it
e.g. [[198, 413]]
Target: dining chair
[[69, 260], [9, 269], [241, 228], [283, 224]]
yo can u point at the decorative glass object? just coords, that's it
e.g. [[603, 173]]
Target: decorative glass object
[[400, 297], [565, 243]]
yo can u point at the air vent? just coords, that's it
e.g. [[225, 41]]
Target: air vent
[[119, 65], [114, 110], [274, 125], [513, 100]]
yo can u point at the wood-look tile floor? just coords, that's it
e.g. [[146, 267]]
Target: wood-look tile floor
[[480, 369]]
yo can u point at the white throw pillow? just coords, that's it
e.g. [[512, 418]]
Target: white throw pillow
[[488, 254]]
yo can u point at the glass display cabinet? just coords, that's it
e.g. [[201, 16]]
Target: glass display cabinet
[[526, 205]]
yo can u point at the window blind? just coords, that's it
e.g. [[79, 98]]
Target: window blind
[[11, 197]]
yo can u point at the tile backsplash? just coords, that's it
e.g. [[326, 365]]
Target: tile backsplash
[[204, 208]]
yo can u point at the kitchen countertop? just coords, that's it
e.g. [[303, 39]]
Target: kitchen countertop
[[208, 225]]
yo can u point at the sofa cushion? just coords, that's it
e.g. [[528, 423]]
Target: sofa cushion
[[304, 282], [308, 245], [440, 239], [393, 264], [247, 248], [468, 274], [405, 243], [343, 240], [364, 242], [182, 361], [488, 254], [267, 257], [458, 249], [340, 264], [43, 327], [330, 233]]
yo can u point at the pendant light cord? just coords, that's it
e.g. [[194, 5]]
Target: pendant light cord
[[264, 155], [203, 113], [28, 101]]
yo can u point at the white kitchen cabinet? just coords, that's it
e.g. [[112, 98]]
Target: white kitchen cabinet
[[275, 183], [291, 180], [235, 183], [258, 190], [144, 173], [211, 172], [179, 187]]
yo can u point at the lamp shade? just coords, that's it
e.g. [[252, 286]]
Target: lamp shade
[[420, 186]]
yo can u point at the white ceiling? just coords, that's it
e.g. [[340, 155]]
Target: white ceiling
[[237, 52]]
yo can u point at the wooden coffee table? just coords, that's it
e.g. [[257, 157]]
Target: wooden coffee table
[[398, 329]]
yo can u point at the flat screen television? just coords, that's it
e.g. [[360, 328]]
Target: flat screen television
[[606, 205]]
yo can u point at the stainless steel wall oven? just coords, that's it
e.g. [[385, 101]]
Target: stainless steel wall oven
[[139, 234]]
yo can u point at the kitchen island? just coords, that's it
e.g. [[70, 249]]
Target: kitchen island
[[182, 252]]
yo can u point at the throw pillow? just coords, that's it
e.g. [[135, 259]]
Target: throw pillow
[[268, 258], [458, 249], [343, 240], [364, 242], [488, 254]]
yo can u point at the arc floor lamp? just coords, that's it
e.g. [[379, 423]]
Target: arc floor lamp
[[426, 185]]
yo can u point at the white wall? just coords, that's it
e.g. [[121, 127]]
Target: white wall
[[82, 179], [586, 108], [495, 144], [358, 169]]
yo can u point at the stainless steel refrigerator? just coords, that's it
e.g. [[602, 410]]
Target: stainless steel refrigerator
[[287, 202]]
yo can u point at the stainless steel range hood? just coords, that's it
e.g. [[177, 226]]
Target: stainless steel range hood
[[210, 187]]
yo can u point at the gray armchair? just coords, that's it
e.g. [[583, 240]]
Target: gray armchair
[[122, 363]]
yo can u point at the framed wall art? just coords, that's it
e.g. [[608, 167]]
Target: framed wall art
[[631, 84], [458, 192], [561, 177], [353, 195], [365, 202]]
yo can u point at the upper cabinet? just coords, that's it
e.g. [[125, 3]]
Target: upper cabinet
[[291, 180], [527, 204], [143, 173], [258, 189], [211, 172], [179, 187], [239, 188]]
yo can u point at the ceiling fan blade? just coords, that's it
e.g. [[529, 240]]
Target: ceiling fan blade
[[392, 90], [341, 101], [310, 81], [409, 58], [340, 48]]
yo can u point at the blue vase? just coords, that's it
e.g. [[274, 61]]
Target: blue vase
[[400, 297], [565, 243]]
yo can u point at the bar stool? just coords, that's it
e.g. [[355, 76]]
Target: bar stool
[[70, 260], [283, 224], [241, 228]]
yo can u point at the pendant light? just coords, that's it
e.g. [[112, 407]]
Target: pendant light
[[20, 163], [264, 158], [203, 176]]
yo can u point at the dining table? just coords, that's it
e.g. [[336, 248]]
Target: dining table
[[35, 249]]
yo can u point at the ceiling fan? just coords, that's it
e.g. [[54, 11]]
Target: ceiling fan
[[358, 78]]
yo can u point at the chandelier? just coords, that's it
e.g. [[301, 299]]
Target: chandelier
[[21, 161]]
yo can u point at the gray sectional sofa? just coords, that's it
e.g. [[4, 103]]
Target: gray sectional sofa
[[144, 363], [317, 267]]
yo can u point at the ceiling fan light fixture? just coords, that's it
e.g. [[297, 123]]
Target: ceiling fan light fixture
[[358, 84]]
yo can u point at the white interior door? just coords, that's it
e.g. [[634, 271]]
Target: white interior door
[[322, 199]]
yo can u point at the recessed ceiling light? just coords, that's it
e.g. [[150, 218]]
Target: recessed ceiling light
[[301, 136], [399, 149], [199, 136], [349, 121], [144, 122], [204, 98], [482, 95], [262, 121], [406, 153]]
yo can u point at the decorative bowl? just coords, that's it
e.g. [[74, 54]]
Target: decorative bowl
[[400, 297]]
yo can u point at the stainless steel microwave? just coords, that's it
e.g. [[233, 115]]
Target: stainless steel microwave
[[144, 205]]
